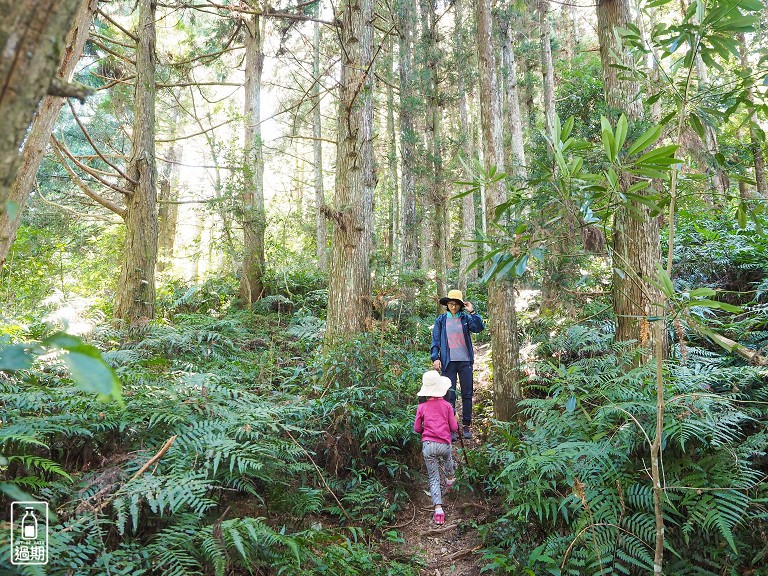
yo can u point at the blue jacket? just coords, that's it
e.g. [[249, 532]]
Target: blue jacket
[[439, 349]]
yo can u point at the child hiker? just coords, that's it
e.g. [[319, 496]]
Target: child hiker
[[435, 421]]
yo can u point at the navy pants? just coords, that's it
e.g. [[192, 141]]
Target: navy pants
[[464, 372]]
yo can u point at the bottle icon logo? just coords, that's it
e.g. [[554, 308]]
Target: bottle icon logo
[[29, 533], [29, 525]]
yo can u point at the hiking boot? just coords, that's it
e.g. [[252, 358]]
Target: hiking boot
[[467, 433], [454, 436]]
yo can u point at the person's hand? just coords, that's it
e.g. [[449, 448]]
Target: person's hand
[[437, 365], [469, 307]]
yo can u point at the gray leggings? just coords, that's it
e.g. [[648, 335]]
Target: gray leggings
[[434, 452]]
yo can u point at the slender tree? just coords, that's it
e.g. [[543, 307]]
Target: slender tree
[[434, 179], [39, 134], [547, 68], [32, 39], [468, 252], [321, 230], [755, 139], [135, 297], [254, 217], [406, 24], [501, 292], [636, 236], [349, 290]]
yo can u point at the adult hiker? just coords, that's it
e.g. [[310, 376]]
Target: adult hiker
[[435, 421], [452, 353]]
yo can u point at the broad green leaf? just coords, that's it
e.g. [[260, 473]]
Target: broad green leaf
[[697, 126], [665, 283], [88, 369], [567, 128], [621, 135], [570, 404], [701, 292], [660, 155], [608, 145], [715, 304], [741, 215], [14, 357], [521, 266], [648, 138]]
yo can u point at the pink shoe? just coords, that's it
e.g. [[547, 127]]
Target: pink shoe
[[439, 517], [448, 484]]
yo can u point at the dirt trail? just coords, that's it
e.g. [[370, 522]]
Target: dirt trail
[[451, 549]]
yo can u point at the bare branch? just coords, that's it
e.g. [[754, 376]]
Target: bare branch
[[87, 169], [116, 25], [108, 204], [60, 87], [95, 149]]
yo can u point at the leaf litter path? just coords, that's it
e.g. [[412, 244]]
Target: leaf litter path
[[450, 549]]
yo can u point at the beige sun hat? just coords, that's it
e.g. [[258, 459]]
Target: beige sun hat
[[433, 384], [453, 295]]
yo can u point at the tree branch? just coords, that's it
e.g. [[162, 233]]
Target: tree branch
[[60, 87], [95, 149], [751, 356], [87, 169], [108, 204]]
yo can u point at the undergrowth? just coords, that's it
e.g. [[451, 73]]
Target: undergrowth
[[274, 451]]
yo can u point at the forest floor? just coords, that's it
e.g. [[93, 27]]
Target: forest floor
[[450, 549]]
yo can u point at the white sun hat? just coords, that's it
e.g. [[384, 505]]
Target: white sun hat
[[433, 384]]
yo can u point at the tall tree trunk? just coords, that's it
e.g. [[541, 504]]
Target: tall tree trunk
[[135, 298], [406, 24], [636, 247], [321, 230], [755, 141], [32, 38], [254, 217], [168, 212], [37, 140], [501, 293], [512, 101], [636, 243], [621, 94], [394, 208], [349, 290], [547, 69], [468, 252], [434, 184]]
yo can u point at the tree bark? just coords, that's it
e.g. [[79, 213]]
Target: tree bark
[[394, 231], [32, 38], [512, 102], [349, 291], [135, 298], [468, 252], [321, 230], [254, 218], [636, 242], [410, 245], [37, 140], [501, 293], [620, 94], [636, 247], [755, 142], [547, 69], [434, 185]]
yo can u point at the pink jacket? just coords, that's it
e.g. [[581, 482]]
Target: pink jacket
[[435, 421]]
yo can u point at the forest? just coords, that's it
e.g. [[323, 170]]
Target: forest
[[227, 229]]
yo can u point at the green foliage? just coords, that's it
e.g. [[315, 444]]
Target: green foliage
[[574, 473], [235, 491]]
